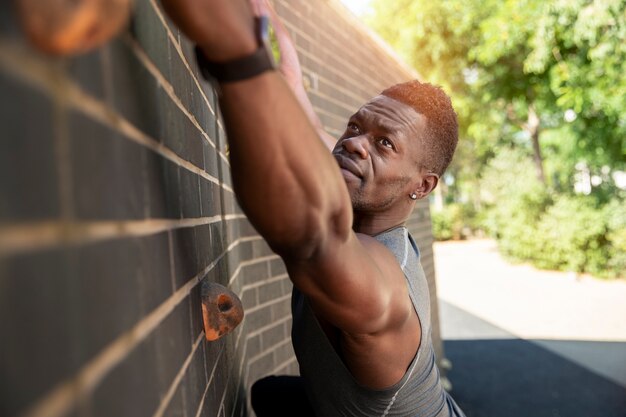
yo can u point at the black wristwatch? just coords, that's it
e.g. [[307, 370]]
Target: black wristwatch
[[241, 68]]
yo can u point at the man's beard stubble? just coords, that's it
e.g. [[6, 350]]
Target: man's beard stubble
[[361, 202]]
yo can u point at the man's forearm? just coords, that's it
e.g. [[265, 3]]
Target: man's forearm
[[285, 179], [292, 71]]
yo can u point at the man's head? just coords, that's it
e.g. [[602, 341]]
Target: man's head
[[442, 131], [396, 146]]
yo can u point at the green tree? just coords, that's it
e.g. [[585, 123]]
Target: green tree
[[540, 89], [515, 67], [581, 44]]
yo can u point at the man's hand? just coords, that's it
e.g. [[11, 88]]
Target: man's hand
[[289, 65], [224, 29], [290, 69]]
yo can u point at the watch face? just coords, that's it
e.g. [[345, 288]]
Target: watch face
[[264, 37], [273, 44]]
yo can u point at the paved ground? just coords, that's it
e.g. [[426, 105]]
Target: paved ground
[[529, 343]]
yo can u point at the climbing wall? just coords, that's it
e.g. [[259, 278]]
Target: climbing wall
[[116, 202]]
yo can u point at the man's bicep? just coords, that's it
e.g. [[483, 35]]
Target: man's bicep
[[350, 285]]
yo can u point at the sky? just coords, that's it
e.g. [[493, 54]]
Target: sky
[[358, 7]]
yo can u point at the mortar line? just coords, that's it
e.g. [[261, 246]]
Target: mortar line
[[167, 87], [310, 39], [60, 399], [268, 350], [170, 250], [268, 303], [246, 373], [333, 84], [178, 378], [243, 359], [226, 383], [338, 64], [285, 364], [100, 112], [246, 361], [34, 71], [232, 368], [377, 42], [206, 389], [339, 87], [320, 110], [325, 79], [264, 282], [317, 92], [183, 58], [248, 263], [62, 151], [176, 44], [334, 132], [260, 330], [16, 238]]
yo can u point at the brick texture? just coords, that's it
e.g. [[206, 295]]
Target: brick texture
[[116, 202]]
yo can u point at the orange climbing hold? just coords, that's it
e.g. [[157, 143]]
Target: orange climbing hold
[[65, 27], [221, 310]]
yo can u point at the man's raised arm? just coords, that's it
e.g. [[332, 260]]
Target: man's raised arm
[[290, 68], [286, 181], [290, 186]]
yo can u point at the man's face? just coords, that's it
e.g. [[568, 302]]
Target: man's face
[[379, 154]]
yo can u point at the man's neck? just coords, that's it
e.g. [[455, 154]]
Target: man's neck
[[375, 224]]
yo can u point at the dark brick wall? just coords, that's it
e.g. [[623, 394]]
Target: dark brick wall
[[116, 201]]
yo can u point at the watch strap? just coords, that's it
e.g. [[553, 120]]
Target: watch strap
[[237, 69]]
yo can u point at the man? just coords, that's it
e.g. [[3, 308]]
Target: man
[[361, 327]]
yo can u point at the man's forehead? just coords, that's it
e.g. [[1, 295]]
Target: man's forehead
[[390, 113]]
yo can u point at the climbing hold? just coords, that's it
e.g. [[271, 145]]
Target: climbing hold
[[65, 27], [221, 310]]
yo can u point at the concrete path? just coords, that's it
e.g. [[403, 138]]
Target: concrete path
[[530, 343]]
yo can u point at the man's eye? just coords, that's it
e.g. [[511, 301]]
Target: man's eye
[[386, 143]]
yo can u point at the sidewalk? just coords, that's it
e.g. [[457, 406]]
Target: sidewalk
[[530, 343]]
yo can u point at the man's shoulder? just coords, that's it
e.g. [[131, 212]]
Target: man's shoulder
[[388, 261], [377, 250]]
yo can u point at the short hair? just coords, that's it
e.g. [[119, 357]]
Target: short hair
[[442, 129]]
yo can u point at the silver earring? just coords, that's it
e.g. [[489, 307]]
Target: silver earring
[[413, 196]]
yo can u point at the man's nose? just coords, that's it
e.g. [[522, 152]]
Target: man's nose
[[358, 145]]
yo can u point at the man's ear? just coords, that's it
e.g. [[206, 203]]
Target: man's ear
[[427, 183]]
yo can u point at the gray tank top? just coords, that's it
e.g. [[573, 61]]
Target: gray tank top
[[330, 386]]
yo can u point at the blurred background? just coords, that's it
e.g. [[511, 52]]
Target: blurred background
[[540, 89], [530, 217]]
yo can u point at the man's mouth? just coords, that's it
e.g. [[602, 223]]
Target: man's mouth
[[347, 164]]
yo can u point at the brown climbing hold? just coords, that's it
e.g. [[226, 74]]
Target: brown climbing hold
[[64, 27], [221, 310]]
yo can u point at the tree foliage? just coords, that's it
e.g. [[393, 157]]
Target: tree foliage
[[540, 90], [504, 60]]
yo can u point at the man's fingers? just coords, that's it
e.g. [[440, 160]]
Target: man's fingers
[[259, 8], [268, 6]]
